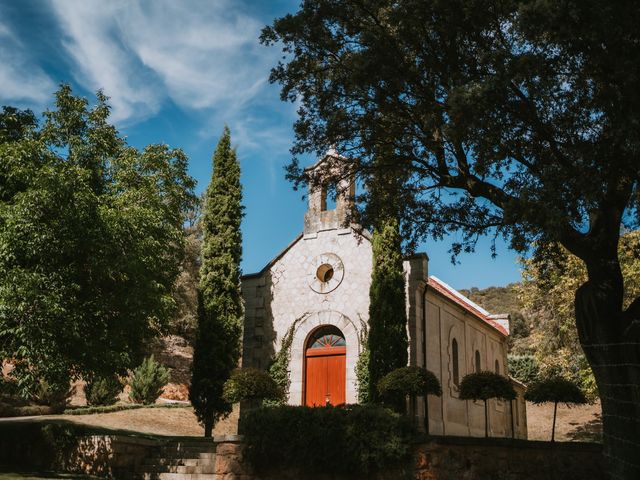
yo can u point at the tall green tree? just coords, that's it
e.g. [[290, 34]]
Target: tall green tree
[[515, 118], [220, 311], [90, 242], [387, 339]]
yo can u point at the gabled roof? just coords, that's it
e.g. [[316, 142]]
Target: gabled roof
[[467, 305]]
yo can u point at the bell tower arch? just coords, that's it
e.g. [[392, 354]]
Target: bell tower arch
[[325, 180]]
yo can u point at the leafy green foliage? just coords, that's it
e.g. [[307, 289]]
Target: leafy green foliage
[[103, 390], [354, 439], [556, 390], [184, 320], [524, 368], [387, 340], [409, 381], [251, 384], [90, 242], [362, 366], [55, 396], [147, 380], [550, 278], [220, 312], [279, 368], [486, 385]]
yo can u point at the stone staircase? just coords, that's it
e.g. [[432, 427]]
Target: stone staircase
[[189, 459]]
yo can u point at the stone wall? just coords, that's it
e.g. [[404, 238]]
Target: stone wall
[[455, 458], [60, 447]]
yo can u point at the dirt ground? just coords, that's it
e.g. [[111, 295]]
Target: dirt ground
[[582, 423], [579, 423], [159, 421]]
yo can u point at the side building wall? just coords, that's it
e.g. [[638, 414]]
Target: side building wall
[[448, 414]]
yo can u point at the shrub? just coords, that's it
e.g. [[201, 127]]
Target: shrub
[[404, 381], [250, 384], [556, 390], [54, 396], [147, 380], [326, 440], [524, 368], [483, 386], [103, 390]]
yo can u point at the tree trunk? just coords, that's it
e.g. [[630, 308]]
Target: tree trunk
[[610, 339], [208, 426], [553, 427], [486, 420], [426, 415]]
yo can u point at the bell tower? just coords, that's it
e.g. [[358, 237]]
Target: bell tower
[[325, 180]]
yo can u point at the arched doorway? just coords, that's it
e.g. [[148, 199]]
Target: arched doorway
[[325, 367]]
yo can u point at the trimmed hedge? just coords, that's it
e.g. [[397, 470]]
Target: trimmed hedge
[[251, 384], [351, 439]]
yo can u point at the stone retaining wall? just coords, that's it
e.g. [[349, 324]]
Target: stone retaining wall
[[455, 458], [435, 458]]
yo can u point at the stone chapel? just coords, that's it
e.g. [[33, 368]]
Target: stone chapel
[[315, 296]]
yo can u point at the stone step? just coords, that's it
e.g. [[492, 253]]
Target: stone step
[[178, 476], [177, 469], [179, 448], [180, 455], [203, 462]]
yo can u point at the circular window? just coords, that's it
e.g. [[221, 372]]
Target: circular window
[[324, 272]]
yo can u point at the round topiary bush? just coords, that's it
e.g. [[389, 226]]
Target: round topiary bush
[[103, 390], [250, 384], [556, 390], [397, 384], [486, 385], [147, 380]]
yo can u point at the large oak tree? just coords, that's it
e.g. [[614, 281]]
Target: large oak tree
[[516, 118]]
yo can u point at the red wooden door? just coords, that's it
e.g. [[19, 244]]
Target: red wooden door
[[325, 369]]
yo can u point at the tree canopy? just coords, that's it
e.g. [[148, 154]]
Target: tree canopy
[[90, 241], [515, 118]]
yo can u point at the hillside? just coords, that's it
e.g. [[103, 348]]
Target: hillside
[[505, 300], [496, 299]]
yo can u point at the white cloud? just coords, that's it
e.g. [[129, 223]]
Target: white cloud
[[198, 54], [21, 80]]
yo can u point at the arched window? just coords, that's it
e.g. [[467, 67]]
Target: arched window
[[454, 362], [497, 367], [478, 366], [327, 337]]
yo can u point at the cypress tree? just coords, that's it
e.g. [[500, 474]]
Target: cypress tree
[[217, 348], [387, 340]]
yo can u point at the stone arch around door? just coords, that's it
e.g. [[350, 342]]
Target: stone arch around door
[[299, 343]]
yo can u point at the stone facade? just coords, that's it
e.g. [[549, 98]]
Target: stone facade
[[291, 297]]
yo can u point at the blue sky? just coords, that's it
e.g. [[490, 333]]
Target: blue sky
[[176, 72]]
